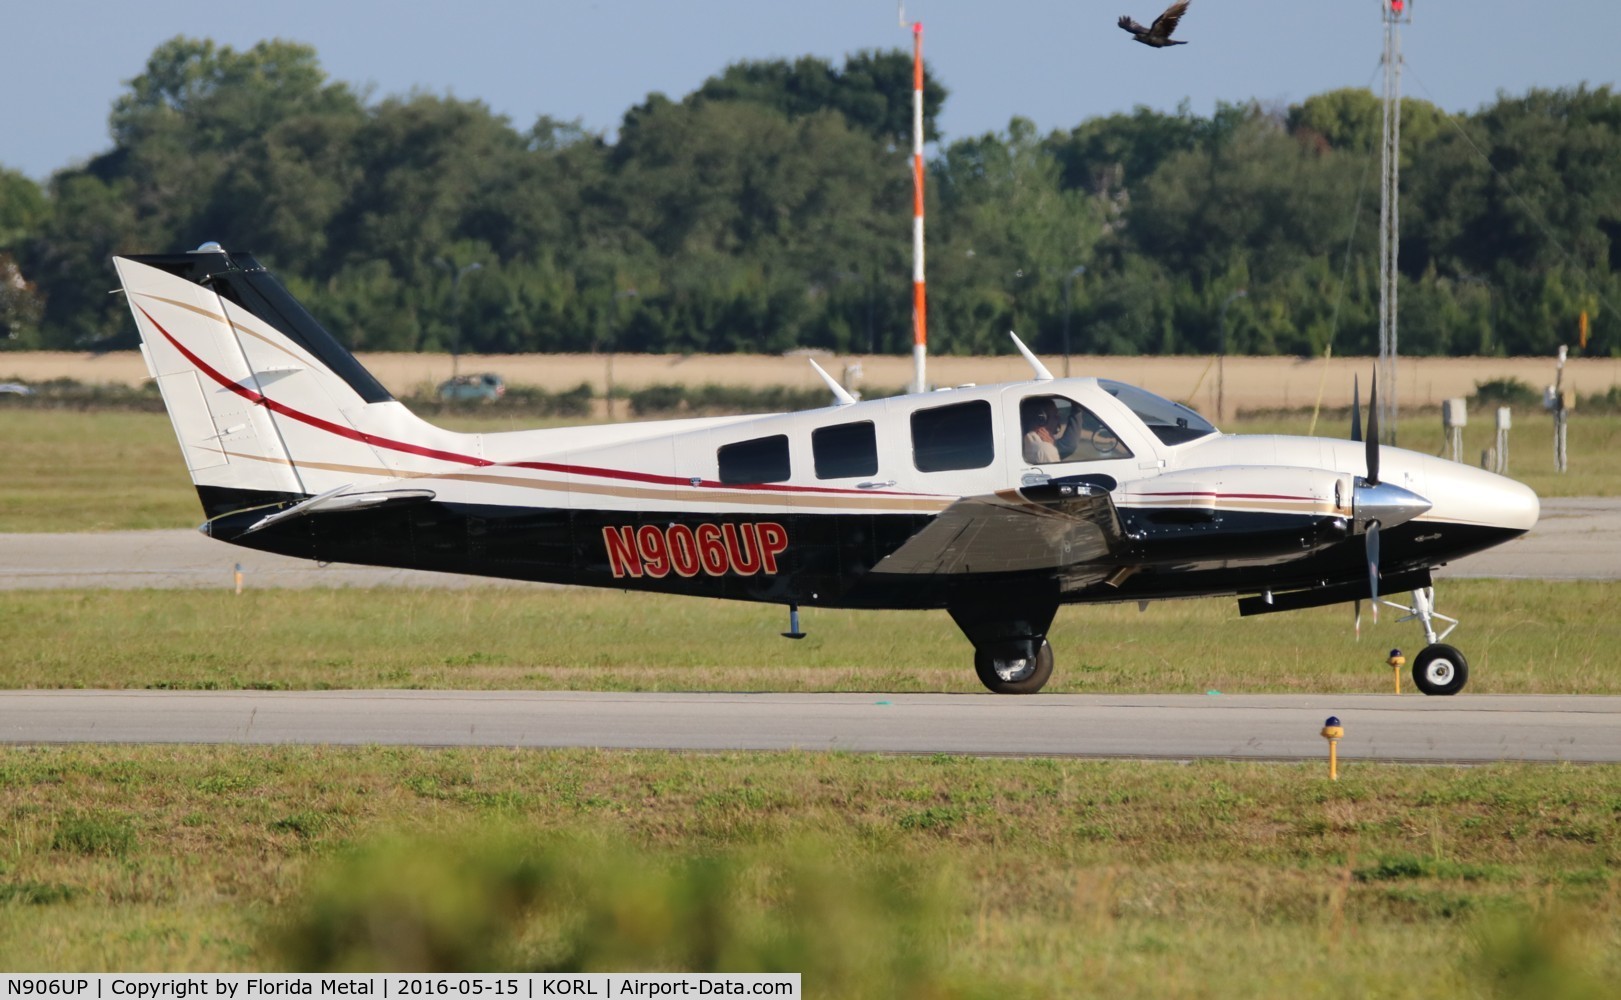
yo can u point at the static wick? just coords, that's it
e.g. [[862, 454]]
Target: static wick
[[1332, 732]]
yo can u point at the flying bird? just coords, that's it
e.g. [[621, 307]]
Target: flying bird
[[1159, 35]]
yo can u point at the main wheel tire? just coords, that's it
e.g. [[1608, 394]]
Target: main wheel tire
[[1002, 673], [1440, 669]]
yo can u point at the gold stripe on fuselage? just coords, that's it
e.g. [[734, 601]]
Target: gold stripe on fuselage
[[768, 502]]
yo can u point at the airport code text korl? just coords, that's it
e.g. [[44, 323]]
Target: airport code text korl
[[251, 986]]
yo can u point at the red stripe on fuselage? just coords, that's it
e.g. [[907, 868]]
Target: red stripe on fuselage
[[450, 456], [305, 418]]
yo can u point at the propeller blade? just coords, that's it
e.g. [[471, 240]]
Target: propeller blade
[[1373, 567], [1356, 408], [1373, 431], [1357, 624]]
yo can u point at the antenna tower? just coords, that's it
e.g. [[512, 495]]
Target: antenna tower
[[1396, 13]]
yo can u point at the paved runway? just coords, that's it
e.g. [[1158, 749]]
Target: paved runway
[[1410, 728], [187, 559], [1577, 539]]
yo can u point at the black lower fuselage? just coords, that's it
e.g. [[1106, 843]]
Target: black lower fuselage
[[828, 560]]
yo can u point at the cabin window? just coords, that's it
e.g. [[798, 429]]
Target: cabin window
[[845, 450], [1057, 429], [953, 437], [761, 460]]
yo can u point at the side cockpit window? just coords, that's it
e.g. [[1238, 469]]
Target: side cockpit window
[[1057, 429], [761, 460]]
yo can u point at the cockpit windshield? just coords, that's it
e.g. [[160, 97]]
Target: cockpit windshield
[[1171, 422]]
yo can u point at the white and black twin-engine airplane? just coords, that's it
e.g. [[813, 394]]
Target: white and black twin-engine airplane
[[998, 503]]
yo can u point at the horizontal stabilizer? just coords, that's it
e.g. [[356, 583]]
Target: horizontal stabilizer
[[335, 500], [1339, 593], [1042, 527]]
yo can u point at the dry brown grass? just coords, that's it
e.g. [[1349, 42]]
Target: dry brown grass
[[1265, 383]]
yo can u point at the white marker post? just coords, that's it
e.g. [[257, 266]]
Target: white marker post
[[1560, 413], [1505, 421]]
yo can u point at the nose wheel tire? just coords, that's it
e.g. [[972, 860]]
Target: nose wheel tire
[[1003, 671], [1440, 669]]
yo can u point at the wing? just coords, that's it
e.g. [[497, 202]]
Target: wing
[[1048, 527], [1132, 26], [1167, 22]]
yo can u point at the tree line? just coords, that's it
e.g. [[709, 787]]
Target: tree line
[[771, 209]]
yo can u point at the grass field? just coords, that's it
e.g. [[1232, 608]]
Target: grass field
[[875, 877], [1519, 638], [878, 877], [108, 470]]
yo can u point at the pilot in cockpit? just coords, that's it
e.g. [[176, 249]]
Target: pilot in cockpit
[[1048, 438], [1057, 429]]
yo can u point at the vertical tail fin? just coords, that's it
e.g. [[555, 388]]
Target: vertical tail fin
[[267, 405]]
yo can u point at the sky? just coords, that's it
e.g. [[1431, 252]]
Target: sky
[[1056, 62]]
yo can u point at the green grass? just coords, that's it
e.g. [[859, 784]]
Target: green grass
[[873, 876], [110, 470], [1521, 637], [106, 470], [70, 470]]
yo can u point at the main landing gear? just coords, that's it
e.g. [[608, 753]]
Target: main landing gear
[[1008, 628], [1438, 669], [1011, 669]]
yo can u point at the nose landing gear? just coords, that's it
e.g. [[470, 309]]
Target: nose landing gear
[[1438, 669]]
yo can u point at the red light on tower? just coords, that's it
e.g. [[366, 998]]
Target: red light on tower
[[1397, 5]]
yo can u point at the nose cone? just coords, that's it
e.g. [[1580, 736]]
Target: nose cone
[[1465, 495], [1518, 506]]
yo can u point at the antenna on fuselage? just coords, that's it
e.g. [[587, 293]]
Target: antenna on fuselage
[[841, 395], [1042, 374]]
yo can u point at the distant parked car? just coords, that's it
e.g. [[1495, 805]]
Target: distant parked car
[[483, 388], [15, 389]]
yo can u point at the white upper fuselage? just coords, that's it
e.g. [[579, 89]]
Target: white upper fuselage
[[678, 460]]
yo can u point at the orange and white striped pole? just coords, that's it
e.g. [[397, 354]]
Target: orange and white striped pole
[[920, 325]]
